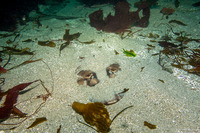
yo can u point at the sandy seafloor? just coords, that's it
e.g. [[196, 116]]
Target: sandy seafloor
[[174, 106]]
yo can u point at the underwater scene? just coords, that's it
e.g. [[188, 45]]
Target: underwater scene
[[87, 66]]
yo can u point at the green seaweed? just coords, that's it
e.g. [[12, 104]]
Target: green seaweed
[[129, 53]]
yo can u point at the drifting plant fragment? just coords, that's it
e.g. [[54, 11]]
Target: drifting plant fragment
[[161, 80], [89, 42], [190, 61], [7, 35], [129, 53], [155, 36], [166, 44], [2, 82], [130, 33], [47, 43], [68, 38], [181, 57], [11, 99], [58, 130], [118, 97], [185, 39], [10, 103], [177, 22], [149, 125], [18, 112], [95, 114], [15, 51], [37, 121], [116, 53], [28, 40], [62, 46], [9, 41], [24, 63], [150, 47], [141, 69]]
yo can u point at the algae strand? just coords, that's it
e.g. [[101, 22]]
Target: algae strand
[[149, 125], [37, 121]]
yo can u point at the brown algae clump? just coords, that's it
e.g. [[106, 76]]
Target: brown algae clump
[[95, 114]]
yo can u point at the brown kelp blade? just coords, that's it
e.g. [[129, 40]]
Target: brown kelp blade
[[58, 130], [24, 63], [15, 51], [18, 112], [149, 125], [62, 46], [67, 37], [37, 121], [47, 43]]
